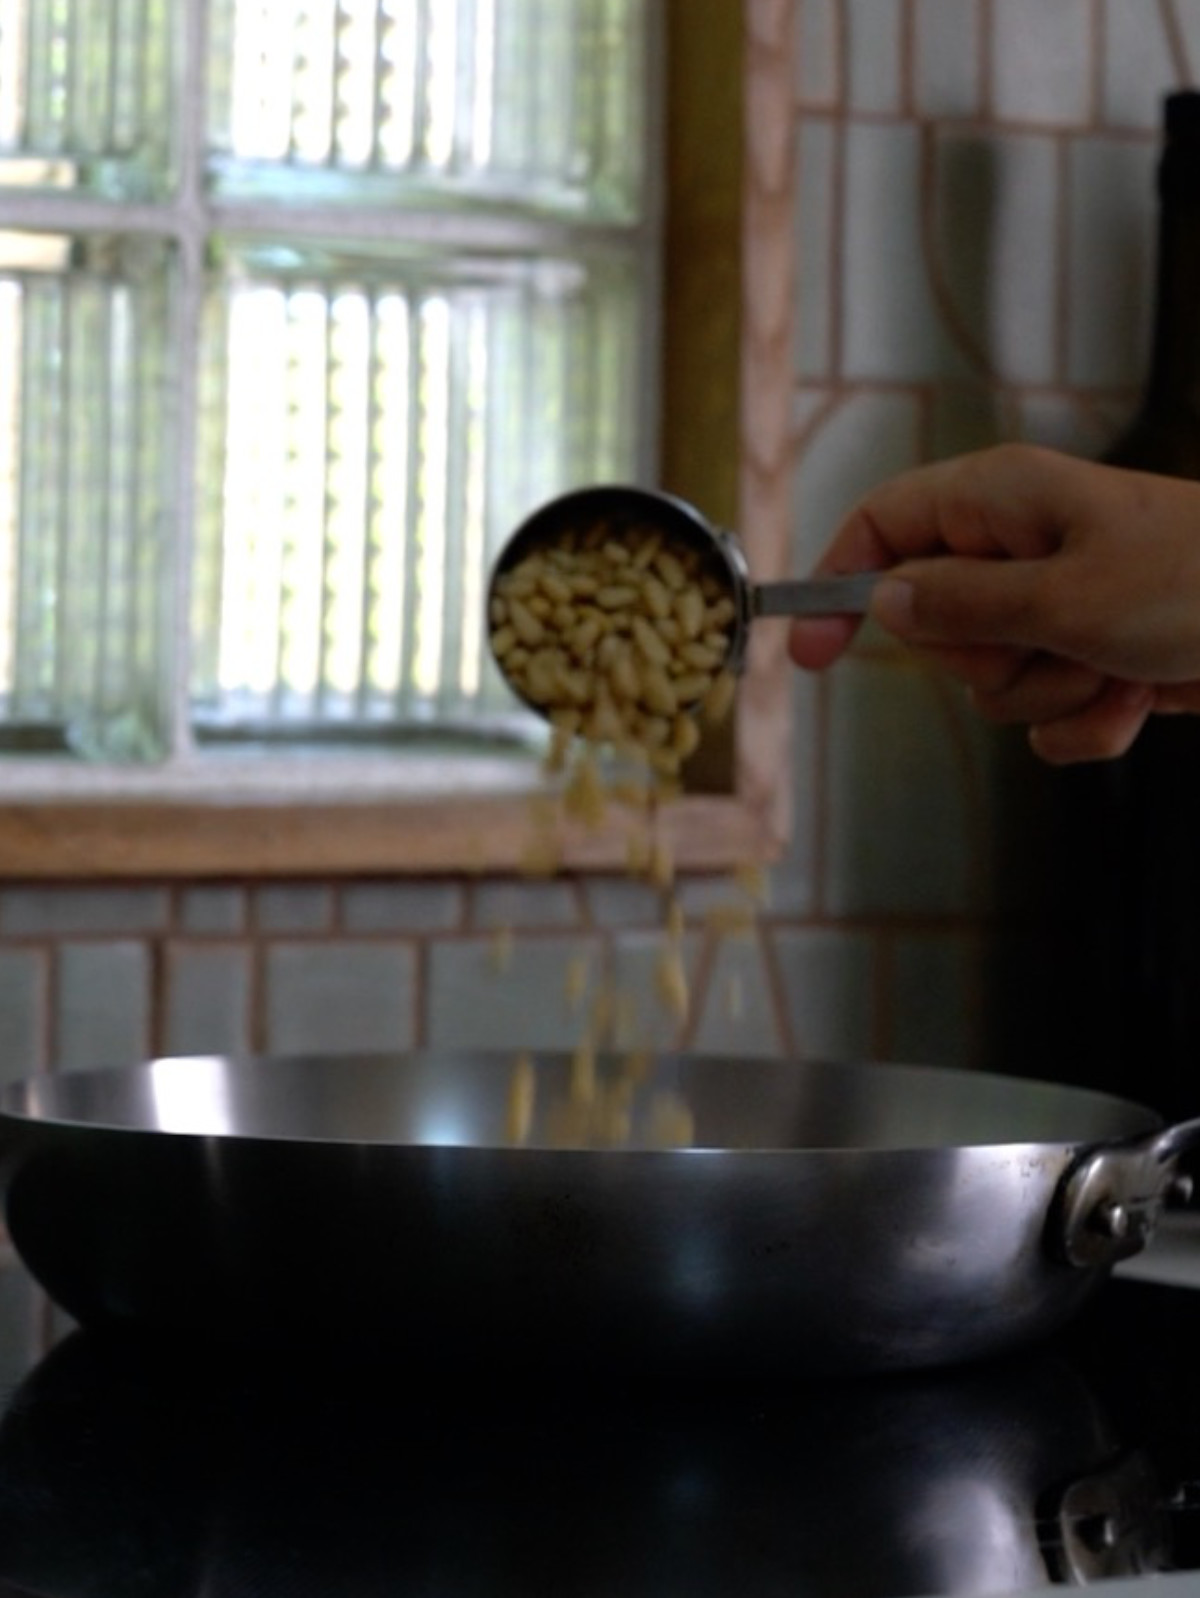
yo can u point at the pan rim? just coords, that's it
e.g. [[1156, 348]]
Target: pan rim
[[43, 1102]]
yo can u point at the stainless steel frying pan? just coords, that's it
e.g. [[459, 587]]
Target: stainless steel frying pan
[[825, 1218]]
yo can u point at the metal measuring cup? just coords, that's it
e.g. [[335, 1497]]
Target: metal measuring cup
[[621, 509]]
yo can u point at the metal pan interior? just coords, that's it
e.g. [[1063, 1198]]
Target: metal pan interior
[[433, 1099]]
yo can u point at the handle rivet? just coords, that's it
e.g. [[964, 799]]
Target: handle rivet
[[1111, 1219], [1100, 1533]]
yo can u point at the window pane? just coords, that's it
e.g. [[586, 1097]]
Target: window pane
[[84, 95], [373, 428], [371, 416], [537, 103], [84, 501]]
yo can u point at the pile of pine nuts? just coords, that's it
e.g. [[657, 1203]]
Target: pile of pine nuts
[[617, 641]]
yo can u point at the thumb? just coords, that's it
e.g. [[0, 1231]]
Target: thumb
[[956, 599]]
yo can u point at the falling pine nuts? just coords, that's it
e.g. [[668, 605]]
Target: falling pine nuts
[[625, 646], [522, 1088]]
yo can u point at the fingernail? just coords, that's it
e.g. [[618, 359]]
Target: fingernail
[[892, 605]]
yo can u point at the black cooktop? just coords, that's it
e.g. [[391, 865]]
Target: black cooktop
[[131, 1470]]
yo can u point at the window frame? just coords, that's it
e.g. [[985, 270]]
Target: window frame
[[725, 381]]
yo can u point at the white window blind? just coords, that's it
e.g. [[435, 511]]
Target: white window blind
[[305, 303]]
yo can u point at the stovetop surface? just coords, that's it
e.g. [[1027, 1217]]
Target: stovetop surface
[[127, 1472]]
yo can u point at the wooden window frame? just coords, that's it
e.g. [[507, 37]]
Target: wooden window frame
[[726, 405]]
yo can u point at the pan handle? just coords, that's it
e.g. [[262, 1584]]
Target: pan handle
[[1109, 1201]]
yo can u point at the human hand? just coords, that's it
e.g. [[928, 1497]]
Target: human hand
[[1065, 595]]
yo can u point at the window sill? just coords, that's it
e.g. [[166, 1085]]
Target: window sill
[[244, 833], [241, 815], [411, 814], [271, 776]]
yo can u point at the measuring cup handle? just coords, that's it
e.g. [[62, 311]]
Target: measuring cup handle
[[815, 596]]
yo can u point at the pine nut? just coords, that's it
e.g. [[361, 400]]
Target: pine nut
[[685, 736], [657, 693], [616, 597], [522, 1091], [670, 569], [650, 644], [719, 700], [525, 624], [689, 607], [700, 658], [657, 597], [672, 982], [503, 640], [691, 687]]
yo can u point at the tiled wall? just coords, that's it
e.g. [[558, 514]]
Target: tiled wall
[[973, 231], [102, 975]]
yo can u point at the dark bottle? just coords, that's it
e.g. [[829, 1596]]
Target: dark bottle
[[1128, 1012], [1164, 436]]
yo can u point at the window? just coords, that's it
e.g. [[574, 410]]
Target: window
[[313, 300], [330, 294]]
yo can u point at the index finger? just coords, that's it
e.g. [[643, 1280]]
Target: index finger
[[1012, 500], [860, 544], [1009, 500]]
